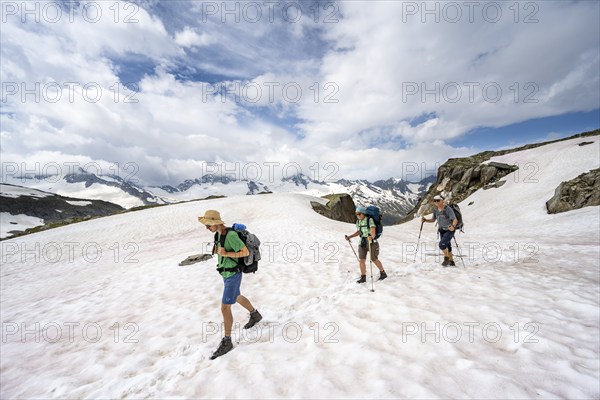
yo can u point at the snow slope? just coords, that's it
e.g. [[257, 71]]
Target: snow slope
[[523, 323], [79, 190], [18, 222]]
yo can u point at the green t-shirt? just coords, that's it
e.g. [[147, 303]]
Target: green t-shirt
[[232, 243], [363, 226]]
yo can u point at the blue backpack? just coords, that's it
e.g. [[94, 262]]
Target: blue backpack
[[375, 213]]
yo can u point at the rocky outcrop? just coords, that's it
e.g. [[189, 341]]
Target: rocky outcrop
[[115, 181], [583, 191], [53, 209], [340, 207], [458, 178]]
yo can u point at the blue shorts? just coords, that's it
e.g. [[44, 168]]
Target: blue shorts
[[231, 291], [446, 239]]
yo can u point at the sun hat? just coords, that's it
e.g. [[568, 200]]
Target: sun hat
[[211, 217]]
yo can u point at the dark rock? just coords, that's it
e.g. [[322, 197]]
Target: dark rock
[[502, 166], [466, 178], [583, 191], [55, 209], [457, 173], [340, 207], [494, 185], [585, 143], [487, 173], [195, 258]]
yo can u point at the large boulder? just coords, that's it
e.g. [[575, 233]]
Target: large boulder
[[583, 191], [340, 207]]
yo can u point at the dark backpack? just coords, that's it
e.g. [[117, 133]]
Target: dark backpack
[[375, 213], [250, 262], [460, 226]]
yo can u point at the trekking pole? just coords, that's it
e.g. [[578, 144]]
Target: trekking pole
[[418, 240], [371, 264], [460, 253], [354, 251]]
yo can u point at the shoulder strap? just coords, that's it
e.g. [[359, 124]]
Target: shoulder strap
[[222, 241]]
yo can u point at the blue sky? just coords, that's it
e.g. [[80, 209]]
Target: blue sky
[[366, 86], [531, 131]]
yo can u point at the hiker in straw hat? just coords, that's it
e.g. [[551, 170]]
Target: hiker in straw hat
[[232, 249]]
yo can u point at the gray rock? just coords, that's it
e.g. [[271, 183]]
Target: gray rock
[[195, 258], [583, 191], [502, 166], [466, 178], [487, 173], [340, 207], [494, 185]]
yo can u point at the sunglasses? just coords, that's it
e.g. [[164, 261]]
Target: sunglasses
[[207, 226], [436, 201]]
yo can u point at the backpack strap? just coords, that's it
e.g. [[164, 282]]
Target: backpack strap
[[221, 242], [234, 269], [369, 227]]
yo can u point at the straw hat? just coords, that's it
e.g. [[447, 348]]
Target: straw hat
[[211, 217]]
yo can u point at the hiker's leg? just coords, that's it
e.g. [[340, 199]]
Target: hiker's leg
[[227, 318], [362, 256], [375, 256], [445, 239], [231, 291], [363, 267], [450, 236], [244, 302]]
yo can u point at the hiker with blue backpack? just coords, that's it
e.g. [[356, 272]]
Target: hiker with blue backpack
[[367, 230], [230, 249], [447, 225]]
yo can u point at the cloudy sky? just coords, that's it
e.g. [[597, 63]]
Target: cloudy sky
[[350, 89]]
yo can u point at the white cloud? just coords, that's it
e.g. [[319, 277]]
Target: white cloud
[[382, 62], [374, 58], [190, 38]]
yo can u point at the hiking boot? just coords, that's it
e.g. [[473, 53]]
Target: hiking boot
[[451, 263], [224, 347], [446, 261], [254, 318], [382, 275], [363, 279]]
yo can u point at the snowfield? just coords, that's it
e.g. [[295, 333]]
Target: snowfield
[[100, 309]]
